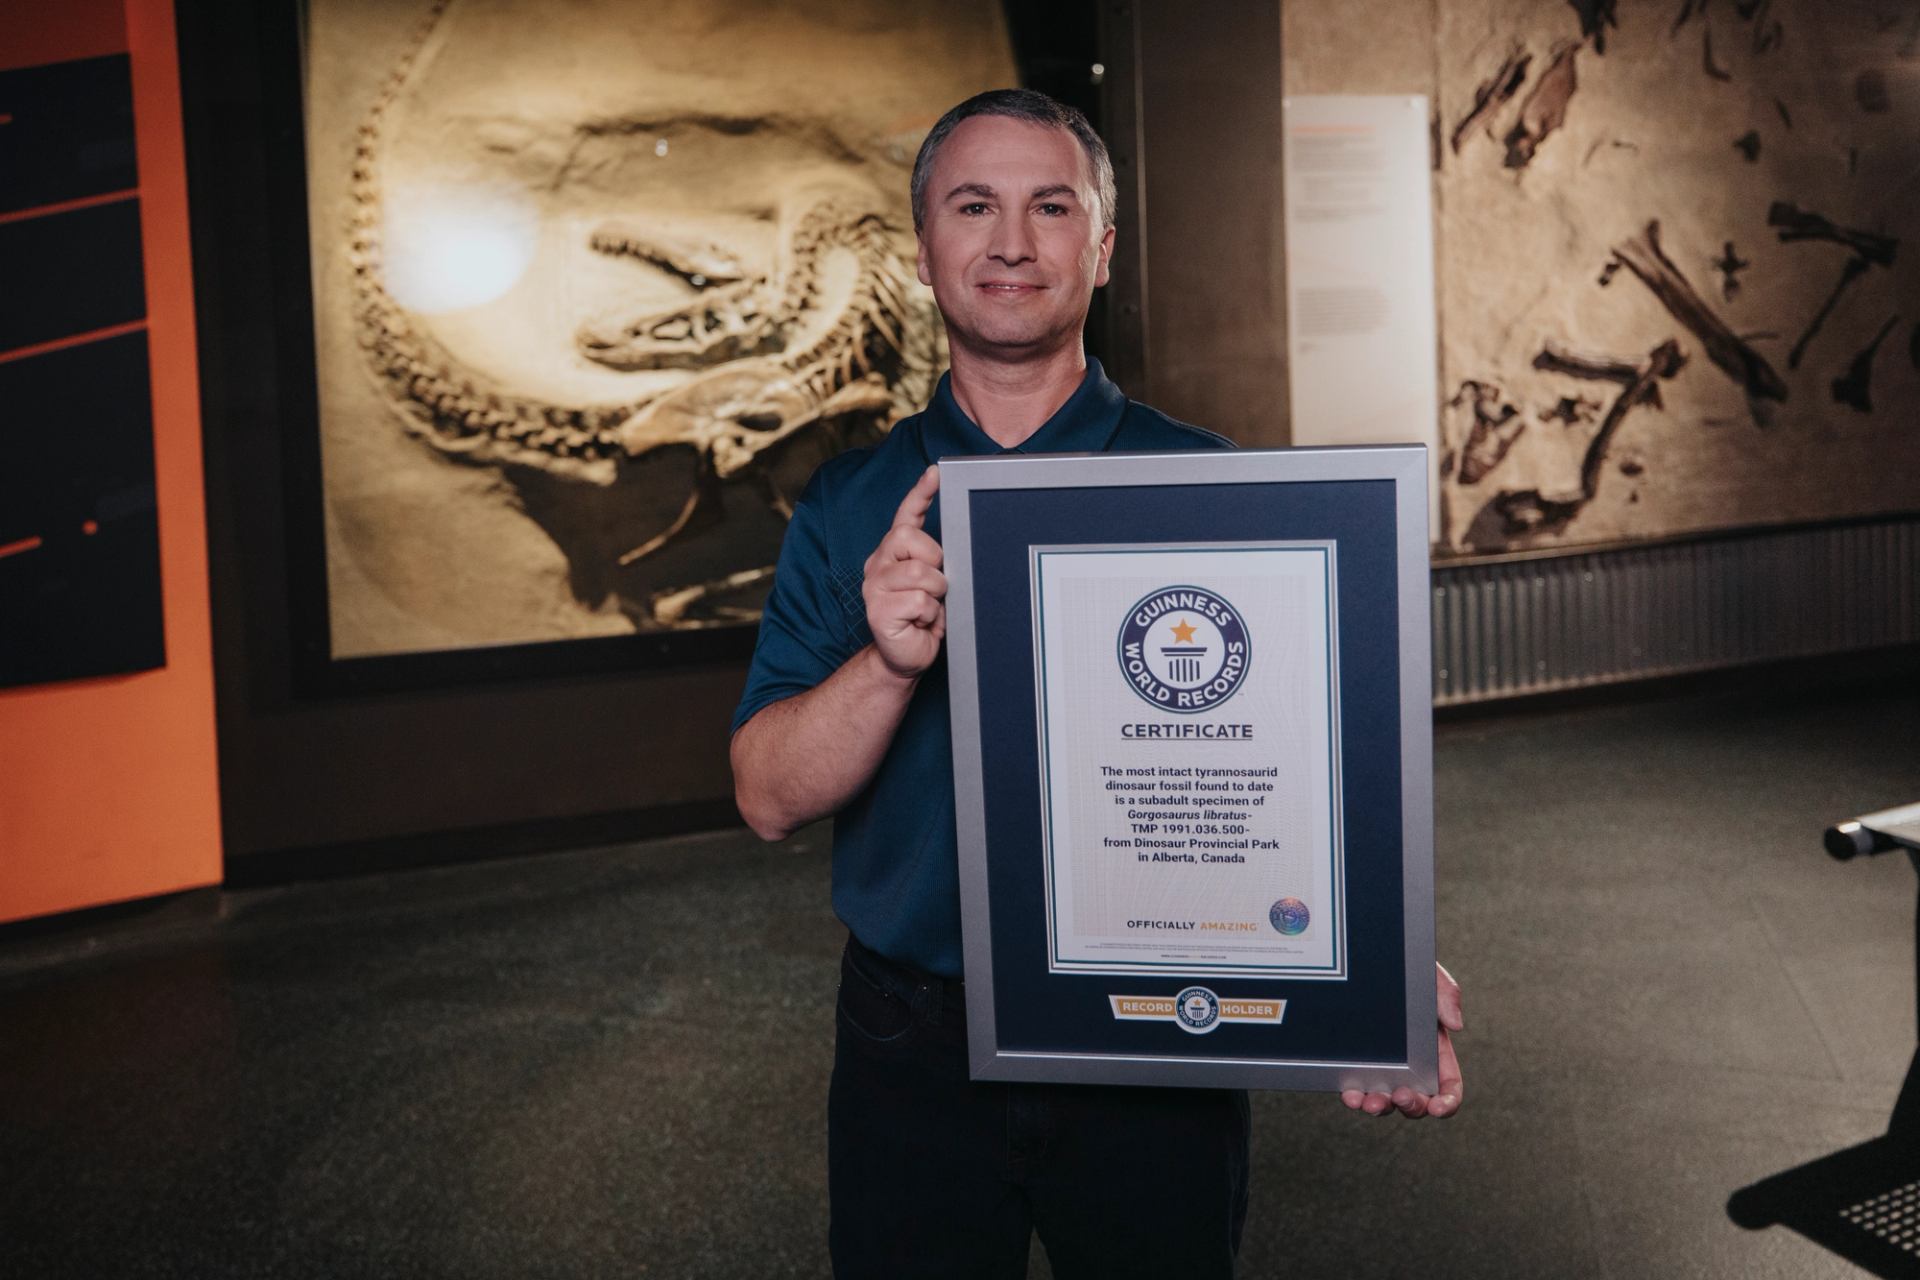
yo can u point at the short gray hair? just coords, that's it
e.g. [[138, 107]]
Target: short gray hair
[[1033, 107]]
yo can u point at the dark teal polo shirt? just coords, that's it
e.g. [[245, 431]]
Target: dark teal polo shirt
[[896, 881]]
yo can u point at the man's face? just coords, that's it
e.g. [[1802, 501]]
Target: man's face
[[1012, 243]]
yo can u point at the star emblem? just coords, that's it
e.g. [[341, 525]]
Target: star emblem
[[1183, 632]]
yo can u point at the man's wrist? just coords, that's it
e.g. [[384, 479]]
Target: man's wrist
[[886, 671]]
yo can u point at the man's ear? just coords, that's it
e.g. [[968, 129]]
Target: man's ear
[[920, 260], [1106, 256]]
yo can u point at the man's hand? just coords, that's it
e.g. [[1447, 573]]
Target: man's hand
[[905, 589], [804, 757], [1409, 1102]]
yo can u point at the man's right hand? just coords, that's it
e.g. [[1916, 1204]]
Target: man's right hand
[[807, 756], [905, 590]]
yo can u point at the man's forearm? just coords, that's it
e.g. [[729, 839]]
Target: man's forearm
[[804, 757]]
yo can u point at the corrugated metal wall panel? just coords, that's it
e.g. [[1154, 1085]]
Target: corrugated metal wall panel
[[1542, 624]]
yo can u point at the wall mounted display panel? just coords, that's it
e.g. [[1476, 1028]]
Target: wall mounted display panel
[[1676, 257], [1675, 299], [593, 294], [79, 539]]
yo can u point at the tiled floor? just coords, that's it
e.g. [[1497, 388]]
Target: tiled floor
[[614, 1061]]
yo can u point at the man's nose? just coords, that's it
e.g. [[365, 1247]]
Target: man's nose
[[1012, 242]]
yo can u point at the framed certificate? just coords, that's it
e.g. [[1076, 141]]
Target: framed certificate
[[1192, 738]]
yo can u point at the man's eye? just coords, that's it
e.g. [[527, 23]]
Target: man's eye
[[975, 208], [1054, 210]]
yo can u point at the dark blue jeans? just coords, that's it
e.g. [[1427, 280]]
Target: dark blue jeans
[[931, 1174]]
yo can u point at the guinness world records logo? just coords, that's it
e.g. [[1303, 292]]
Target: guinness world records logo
[[1183, 649], [1197, 1010]]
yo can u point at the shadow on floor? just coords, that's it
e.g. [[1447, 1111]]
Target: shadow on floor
[[1862, 1203]]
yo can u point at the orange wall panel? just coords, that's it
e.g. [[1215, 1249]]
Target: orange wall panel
[[36, 32], [109, 787]]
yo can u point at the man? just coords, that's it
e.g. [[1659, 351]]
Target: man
[[845, 713]]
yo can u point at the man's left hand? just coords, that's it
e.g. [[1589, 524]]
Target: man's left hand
[[1411, 1103]]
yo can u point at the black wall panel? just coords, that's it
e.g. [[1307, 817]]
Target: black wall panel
[[69, 132], [79, 539], [70, 273]]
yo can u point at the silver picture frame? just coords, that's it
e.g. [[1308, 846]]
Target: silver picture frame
[[1082, 1048]]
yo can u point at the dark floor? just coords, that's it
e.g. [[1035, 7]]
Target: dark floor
[[614, 1061]]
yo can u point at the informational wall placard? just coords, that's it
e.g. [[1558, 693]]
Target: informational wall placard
[[1189, 745], [1362, 333]]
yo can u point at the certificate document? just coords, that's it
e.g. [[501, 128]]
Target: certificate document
[[1189, 749]]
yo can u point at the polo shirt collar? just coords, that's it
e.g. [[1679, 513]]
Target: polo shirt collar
[[1084, 424]]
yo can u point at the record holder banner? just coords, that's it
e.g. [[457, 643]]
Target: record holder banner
[[1193, 766]]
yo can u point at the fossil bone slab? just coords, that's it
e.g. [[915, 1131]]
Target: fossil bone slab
[[696, 214]]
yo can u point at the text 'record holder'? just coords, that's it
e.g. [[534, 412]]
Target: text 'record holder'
[[1193, 766]]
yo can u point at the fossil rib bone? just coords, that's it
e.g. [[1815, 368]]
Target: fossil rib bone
[[1544, 109], [1797, 225], [1855, 268], [675, 605], [1528, 510], [1492, 93], [1595, 17], [1643, 257], [1856, 388], [1496, 427], [1559, 359]]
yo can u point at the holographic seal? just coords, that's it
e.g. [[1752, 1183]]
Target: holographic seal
[[1289, 916], [1197, 1010]]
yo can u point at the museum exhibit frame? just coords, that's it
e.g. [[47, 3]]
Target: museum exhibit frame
[[272, 40], [1711, 205], [1346, 527]]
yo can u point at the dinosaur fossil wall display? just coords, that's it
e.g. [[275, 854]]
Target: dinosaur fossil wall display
[[1712, 204], [597, 284]]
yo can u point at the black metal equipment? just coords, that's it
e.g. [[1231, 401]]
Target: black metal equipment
[[1863, 1203], [1880, 832]]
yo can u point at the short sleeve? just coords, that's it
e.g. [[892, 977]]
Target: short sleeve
[[804, 635]]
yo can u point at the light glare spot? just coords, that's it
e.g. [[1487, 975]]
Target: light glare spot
[[452, 247]]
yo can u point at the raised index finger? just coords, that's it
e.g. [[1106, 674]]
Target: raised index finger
[[919, 500]]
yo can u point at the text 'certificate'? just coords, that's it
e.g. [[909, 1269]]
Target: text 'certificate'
[[1189, 747]]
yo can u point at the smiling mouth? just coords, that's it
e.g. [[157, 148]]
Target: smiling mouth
[[1009, 287]]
